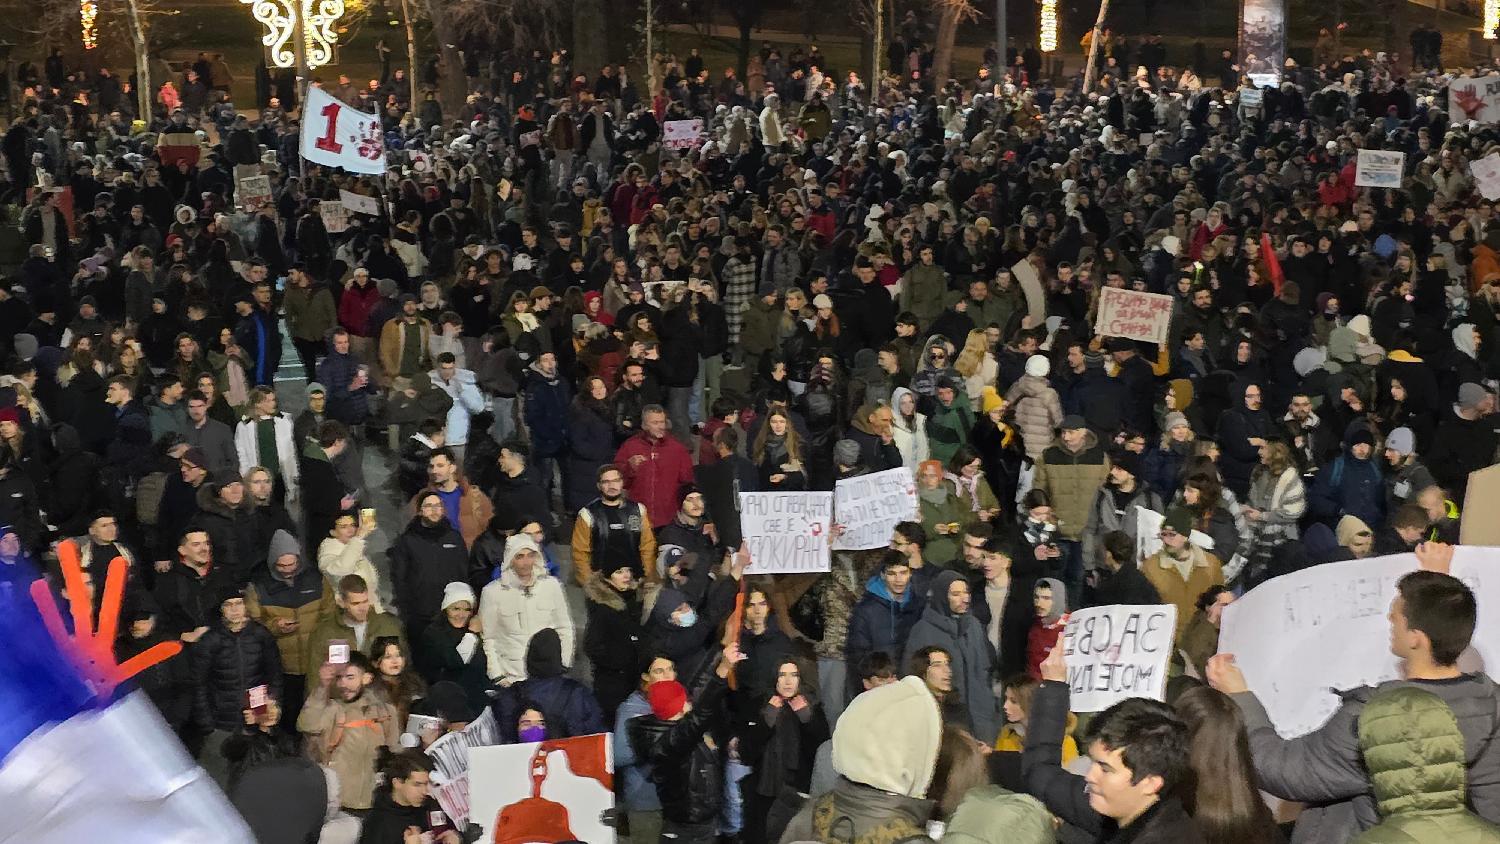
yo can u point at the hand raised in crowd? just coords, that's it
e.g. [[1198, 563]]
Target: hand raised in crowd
[[1225, 676], [1055, 666], [732, 654], [1435, 556]]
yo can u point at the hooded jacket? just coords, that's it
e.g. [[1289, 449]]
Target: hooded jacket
[[546, 411], [614, 639], [885, 746], [973, 659], [1325, 767], [1045, 630], [304, 597], [336, 372], [881, 622], [1414, 752], [512, 613], [910, 437], [569, 706], [688, 771], [1349, 486]]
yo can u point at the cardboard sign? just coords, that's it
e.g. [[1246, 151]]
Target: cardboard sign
[[870, 506], [1031, 288], [1118, 651], [359, 203], [682, 134], [1378, 168], [787, 532], [1133, 314], [1302, 637], [1487, 175], [1475, 97], [554, 790], [335, 216]]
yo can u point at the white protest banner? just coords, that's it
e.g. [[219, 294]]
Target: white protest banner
[[1133, 314], [682, 134], [787, 532], [1118, 651], [253, 192], [450, 760], [1478, 97], [359, 203], [1147, 532], [553, 790], [339, 135], [1487, 175], [1252, 97], [870, 506], [1302, 636], [1146, 138], [1378, 168], [335, 216]]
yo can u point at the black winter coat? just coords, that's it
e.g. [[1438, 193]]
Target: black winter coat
[[188, 601], [232, 530], [72, 494], [322, 493], [591, 444], [20, 507], [520, 500], [226, 666], [439, 661], [614, 641], [689, 775], [169, 684], [424, 559]]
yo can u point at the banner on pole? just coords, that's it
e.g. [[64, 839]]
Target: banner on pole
[[338, 135], [1378, 168], [870, 506], [1262, 43], [1302, 637], [1133, 314], [1118, 651], [787, 532]]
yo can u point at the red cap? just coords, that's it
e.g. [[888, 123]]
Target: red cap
[[667, 697], [9, 414]]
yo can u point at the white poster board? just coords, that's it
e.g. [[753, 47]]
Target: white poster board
[[1147, 532], [1118, 651], [682, 134], [787, 532], [1031, 287], [870, 506], [1133, 314], [450, 760], [253, 192], [567, 804], [1475, 97], [1487, 175], [1301, 636], [1379, 168], [335, 216], [1252, 97], [358, 203]]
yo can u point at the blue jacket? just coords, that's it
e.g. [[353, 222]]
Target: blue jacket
[[880, 622], [1349, 486], [640, 792], [335, 372]]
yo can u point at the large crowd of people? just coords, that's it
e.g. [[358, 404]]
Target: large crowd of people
[[574, 345]]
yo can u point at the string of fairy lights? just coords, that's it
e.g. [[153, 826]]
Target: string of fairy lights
[[1491, 18], [1048, 27], [88, 15]]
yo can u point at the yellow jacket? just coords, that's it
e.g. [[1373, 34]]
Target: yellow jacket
[[1011, 741]]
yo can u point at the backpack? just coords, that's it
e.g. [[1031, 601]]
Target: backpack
[[830, 827], [148, 494]]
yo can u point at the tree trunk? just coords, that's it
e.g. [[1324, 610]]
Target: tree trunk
[[743, 51], [453, 88], [411, 52], [142, 62], [590, 37], [942, 50]]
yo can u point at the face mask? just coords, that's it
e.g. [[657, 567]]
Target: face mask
[[530, 734], [688, 619]]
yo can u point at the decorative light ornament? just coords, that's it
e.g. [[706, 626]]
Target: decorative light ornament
[[88, 15], [313, 21], [1491, 18], [1048, 40]]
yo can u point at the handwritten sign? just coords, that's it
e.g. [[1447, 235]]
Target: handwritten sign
[[359, 203], [335, 216], [870, 506], [1133, 314], [450, 759], [251, 188], [1302, 636], [1487, 175], [787, 532], [682, 134], [1118, 651], [1252, 97], [1475, 97], [1378, 168]]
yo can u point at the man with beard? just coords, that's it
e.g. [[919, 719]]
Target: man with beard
[[348, 723], [613, 530]]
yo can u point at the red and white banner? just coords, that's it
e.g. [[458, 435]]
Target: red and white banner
[[338, 135]]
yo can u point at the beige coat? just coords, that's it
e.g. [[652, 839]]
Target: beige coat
[[1037, 411], [368, 724], [1173, 589], [336, 559]]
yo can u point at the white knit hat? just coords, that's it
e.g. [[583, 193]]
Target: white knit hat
[[1038, 366], [458, 591], [888, 738]]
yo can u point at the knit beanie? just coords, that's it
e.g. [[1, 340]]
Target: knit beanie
[[667, 697], [989, 399]]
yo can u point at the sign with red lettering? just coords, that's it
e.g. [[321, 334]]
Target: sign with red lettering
[[1133, 314]]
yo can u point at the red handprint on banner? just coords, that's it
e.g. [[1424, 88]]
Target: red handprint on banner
[[372, 144], [1468, 100]]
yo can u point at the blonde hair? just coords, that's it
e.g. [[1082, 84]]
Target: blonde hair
[[972, 357]]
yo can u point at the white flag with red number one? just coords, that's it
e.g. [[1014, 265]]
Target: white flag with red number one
[[339, 135]]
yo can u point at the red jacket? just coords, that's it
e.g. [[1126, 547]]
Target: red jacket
[[1039, 643], [655, 479]]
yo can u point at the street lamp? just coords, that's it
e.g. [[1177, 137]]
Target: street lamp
[[301, 34]]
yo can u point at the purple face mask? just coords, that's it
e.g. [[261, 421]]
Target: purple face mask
[[530, 734]]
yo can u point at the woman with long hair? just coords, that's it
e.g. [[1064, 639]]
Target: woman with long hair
[[1221, 792], [976, 364], [781, 743], [393, 672], [777, 452], [1203, 495], [965, 471], [1278, 498], [590, 441]]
